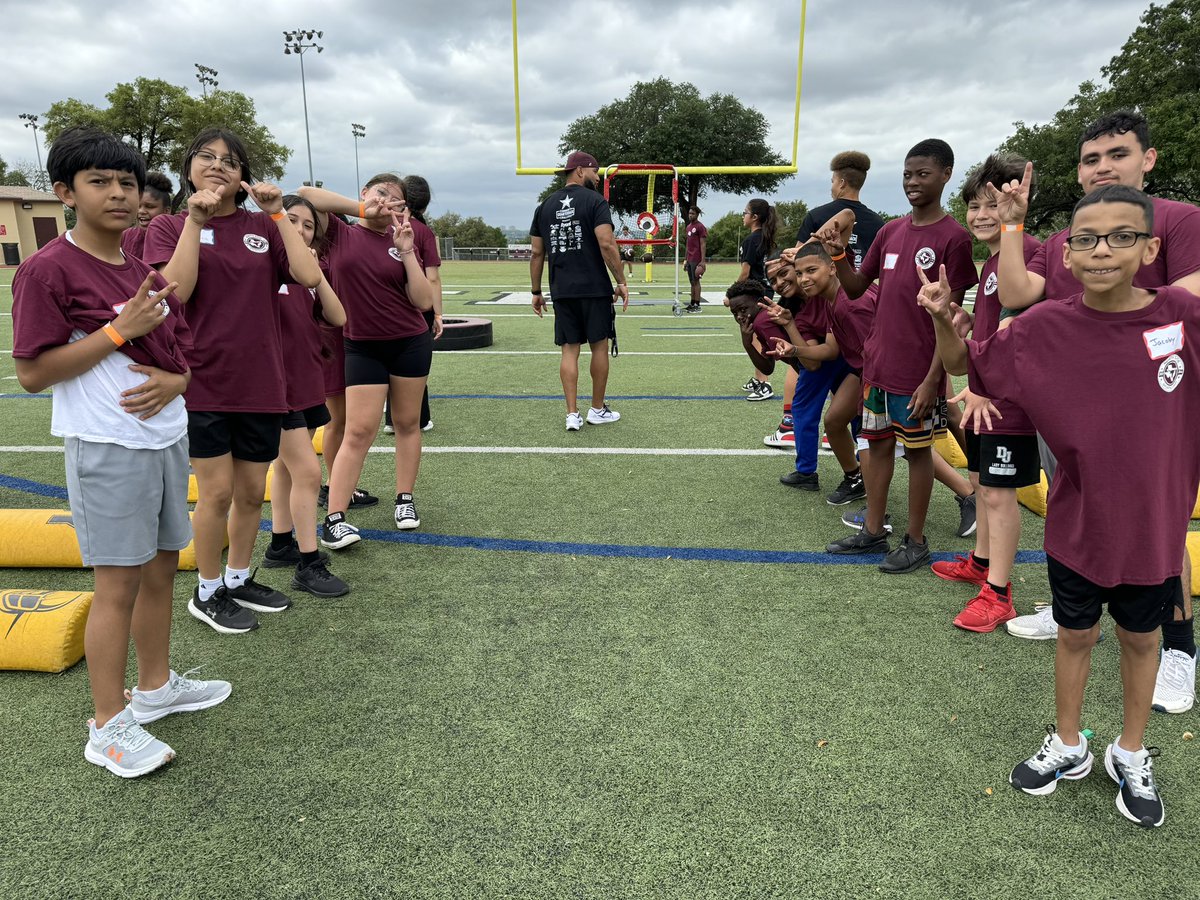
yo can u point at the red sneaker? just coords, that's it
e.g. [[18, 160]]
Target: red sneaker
[[962, 568], [986, 611]]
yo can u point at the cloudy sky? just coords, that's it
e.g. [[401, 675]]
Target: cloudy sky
[[432, 82]]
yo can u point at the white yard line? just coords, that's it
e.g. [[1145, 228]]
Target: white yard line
[[547, 451]]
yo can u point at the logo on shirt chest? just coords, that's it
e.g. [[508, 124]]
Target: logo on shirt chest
[[1170, 373], [256, 243], [395, 254], [989, 286], [926, 258]]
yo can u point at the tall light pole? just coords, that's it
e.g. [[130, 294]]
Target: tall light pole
[[31, 121], [294, 42], [358, 131], [207, 78]]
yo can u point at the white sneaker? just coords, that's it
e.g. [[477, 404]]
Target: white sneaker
[[574, 421], [1175, 686], [1038, 627], [183, 694], [784, 440], [125, 748], [406, 513], [602, 416], [428, 426]]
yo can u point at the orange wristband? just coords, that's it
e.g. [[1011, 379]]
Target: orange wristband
[[1020, 227], [279, 215], [836, 258], [362, 209], [113, 334]]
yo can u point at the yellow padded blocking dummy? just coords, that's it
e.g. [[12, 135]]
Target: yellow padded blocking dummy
[[42, 631], [1033, 497], [45, 539], [947, 446], [194, 490], [1193, 549], [1196, 510]]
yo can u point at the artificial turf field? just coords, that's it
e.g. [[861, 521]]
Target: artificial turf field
[[600, 675]]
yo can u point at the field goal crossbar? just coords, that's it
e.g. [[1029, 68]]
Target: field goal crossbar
[[611, 171]]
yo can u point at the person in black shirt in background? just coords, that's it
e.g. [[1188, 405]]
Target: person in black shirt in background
[[759, 217], [573, 229], [849, 174]]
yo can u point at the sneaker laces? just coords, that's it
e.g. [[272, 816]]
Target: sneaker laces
[[340, 529], [1175, 670], [1048, 759], [125, 733], [406, 509], [254, 587], [1139, 775]]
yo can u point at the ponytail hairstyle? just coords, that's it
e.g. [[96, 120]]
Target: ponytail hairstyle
[[417, 195], [158, 186], [765, 213]]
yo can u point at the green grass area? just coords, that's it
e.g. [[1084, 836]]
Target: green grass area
[[531, 723]]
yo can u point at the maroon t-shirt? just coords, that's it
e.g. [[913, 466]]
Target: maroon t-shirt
[[1176, 224], [695, 232], [299, 319], [987, 322], [368, 275], [426, 245], [133, 240], [1121, 498], [850, 324], [765, 329], [237, 357], [902, 343], [812, 319], [62, 288]]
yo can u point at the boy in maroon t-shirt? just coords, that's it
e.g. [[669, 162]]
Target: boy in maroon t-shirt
[[86, 320], [903, 377], [1114, 149], [697, 251], [1135, 343]]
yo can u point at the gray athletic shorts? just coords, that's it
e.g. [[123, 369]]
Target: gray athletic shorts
[[126, 504]]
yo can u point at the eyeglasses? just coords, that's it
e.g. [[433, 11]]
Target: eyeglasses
[[227, 163], [1116, 240]]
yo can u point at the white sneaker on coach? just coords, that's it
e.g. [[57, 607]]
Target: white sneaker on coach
[[1038, 627], [574, 421], [1175, 686], [602, 416]]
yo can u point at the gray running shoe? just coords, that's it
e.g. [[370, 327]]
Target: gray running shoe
[[184, 694], [125, 748]]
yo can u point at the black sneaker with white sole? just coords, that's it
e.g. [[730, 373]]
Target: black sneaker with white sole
[[761, 391], [361, 499], [851, 489], [908, 557], [220, 613], [337, 533], [861, 541], [406, 513], [316, 579], [1138, 798], [287, 558], [1039, 775], [258, 597]]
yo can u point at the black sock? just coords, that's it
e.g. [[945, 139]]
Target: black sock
[[307, 559], [1001, 592], [1179, 636], [982, 561], [855, 474], [281, 540]]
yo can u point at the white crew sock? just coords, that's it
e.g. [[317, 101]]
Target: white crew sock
[[208, 587], [235, 577]]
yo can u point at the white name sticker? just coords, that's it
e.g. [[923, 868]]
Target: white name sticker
[[890, 260], [1162, 342], [206, 236]]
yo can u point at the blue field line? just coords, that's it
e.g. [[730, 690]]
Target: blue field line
[[559, 397], [570, 548]]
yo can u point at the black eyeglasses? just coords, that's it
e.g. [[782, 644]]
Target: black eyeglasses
[[227, 163], [1116, 240]]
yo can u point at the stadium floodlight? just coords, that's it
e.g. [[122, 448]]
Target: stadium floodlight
[[294, 42]]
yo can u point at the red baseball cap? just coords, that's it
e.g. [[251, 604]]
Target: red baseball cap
[[579, 160]]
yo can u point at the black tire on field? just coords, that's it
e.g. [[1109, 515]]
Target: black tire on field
[[464, 334]]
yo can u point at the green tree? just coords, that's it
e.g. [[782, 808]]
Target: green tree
[[663, 122], [470, 232], [12, 177], [725, 236], [790, 214], [160, 119]]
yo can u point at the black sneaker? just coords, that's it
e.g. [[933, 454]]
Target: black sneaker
[[1040, 774], [801, 481], [760, 391], [361, 498], [406, 513], [966, 516], [750, 385], [220, 613], [851, 489], [692, 308], [1137, 798], [337, 533], [908, 557], [323, 496], [858, 518], [317, 580], [862, 541], [258, 597], [286, 558]]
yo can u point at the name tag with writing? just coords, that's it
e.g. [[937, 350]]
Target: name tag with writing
[[206, 236], [890, 260], [1162, 342]]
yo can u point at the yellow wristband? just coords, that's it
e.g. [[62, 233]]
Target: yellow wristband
[[837, 258], [1020, 227], [279, 215], [113, 334]]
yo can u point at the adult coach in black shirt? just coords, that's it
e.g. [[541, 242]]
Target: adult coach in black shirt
[[573, 227], [849, 174]]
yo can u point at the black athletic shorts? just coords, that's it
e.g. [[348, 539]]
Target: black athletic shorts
[[375, 362], [1079, 603], [690, 268], [251, 437], [313, 417], [1003, 460], [583, 320]]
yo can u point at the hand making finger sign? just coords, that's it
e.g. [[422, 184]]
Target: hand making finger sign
[[935, 295], [402, 231], [203, 205], [266, 196], [1012, 198], [142, 313]]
